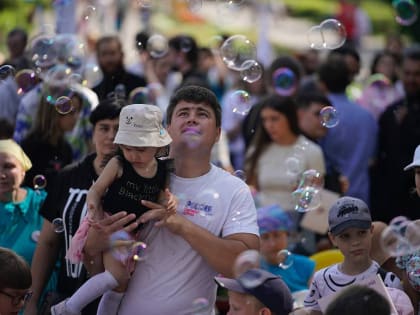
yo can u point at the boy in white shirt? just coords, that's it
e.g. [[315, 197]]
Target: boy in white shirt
[[351, 230]]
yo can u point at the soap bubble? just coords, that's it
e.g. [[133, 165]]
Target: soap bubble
[[39, 182], [157, 46], [6, 71], [285, 259], [246, 260], [406, 11], [252, 72], [236, 50], [58, 225], [63, 105], [240, 102], [306, 199], [25, 80], [329, 117], [284, 81], [333, 33]]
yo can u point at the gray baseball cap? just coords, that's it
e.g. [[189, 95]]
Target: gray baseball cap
[[348, 212]]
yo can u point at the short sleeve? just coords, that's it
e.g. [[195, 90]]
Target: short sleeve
[[242, 217]]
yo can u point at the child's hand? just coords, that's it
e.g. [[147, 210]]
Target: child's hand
[[172, 202]]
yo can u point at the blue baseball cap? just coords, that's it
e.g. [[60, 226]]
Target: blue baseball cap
[[273, 218]]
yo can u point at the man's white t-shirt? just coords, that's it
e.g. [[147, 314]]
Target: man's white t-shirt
[[174, 275]]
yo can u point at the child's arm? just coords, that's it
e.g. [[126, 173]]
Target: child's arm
[[111, 171]]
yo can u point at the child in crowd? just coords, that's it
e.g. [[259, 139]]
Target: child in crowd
[[274, 224], [15, 282], [133, 175], [350, 229], [255, 292], [411, 263]]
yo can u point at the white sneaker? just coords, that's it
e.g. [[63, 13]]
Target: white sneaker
[[61, 309]]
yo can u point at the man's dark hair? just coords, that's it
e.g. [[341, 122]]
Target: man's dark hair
[[20, 32], [178, 42], [106, 109], [194, 94], [347, 50], [306, 98], [6, 129], [334, 73]]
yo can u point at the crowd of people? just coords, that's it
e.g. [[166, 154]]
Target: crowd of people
[[138, 197]]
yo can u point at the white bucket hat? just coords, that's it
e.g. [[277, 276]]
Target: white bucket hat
[[141, 126], [416, 160]]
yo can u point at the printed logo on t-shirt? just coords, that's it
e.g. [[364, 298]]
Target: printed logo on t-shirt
[[193, 208]]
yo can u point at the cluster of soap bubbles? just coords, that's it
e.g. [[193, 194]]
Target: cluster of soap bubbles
[[307, 196], [330, 34], [240, 54], [401, 236], [406, 11]]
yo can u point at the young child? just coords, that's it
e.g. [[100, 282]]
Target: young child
[[350, 229], [267, 295], [15, 282], [274, 224], [410, 263], [127, 178]]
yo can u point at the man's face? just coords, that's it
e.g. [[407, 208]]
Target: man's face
[[310, 122], [110, 56], [411, 76], [193, 126], [241, 304]]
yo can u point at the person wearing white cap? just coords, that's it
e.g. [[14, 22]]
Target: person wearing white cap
[[134, 174], [215, 221], [416, 166]]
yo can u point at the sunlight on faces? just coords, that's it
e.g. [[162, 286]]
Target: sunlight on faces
[[25, 80], [246, 260], [329, 117], [252, 72], [284, 81], [39, 182], [58, 225], [157, 46], [236, 50], [285, 259], [240, 102], [6, 71], [92, 75], [406, 11]]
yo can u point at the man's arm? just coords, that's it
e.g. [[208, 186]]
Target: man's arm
[[43, 262], [220, 253]]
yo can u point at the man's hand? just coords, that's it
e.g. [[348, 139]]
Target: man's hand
[[98, 236], [163, 217]]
